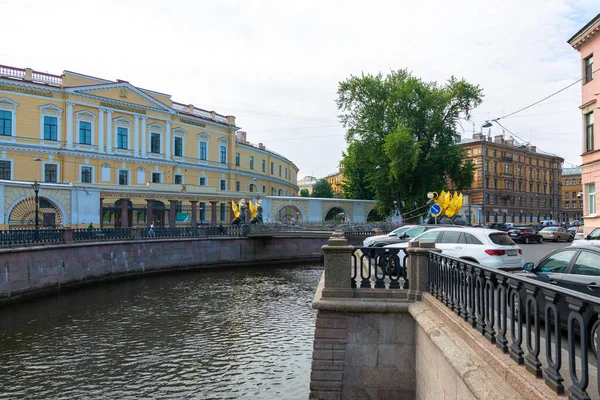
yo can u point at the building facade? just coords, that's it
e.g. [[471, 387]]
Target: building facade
[[306, 183], [335, 180], [133, 155], [587, 42], [512, 183], [572, 194]]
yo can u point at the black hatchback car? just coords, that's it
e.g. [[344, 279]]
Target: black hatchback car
[[525, 234], [576, 268]]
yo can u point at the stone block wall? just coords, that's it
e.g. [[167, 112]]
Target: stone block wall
[[25, 271], [363, 356]]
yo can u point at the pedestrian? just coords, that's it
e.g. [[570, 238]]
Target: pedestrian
[[293, 221], [151, 232], [90, 228]]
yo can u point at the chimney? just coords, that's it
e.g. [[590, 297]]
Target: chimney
[[240, 136], [261, 146], [531, 148], [510, 142], [478, 136], [498, 139]]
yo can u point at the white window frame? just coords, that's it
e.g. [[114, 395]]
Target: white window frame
[[43, 178], [122, 122], [221, 181], [180, 133], [12, 167], [128, 176], [200, 181], [106, 171], [590, 192], [224, 143], [203, 138], [50, 110], [160, 175], [156, 128], [141, 176], [7, 104], [182, 179], [81, 167], [85, 116]]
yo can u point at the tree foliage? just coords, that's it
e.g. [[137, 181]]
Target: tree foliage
[[322, 189], [401, 134], [304, 193]]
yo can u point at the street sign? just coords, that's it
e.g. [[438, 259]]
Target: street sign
[[435, 210]]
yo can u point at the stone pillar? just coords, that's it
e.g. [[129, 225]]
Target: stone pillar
[[124, 213], [338, 264], [101, 213], [168, 141], [101, 132], [213, 213], [149, 212], [194, 211], [172, 213], [136, 135], [69, 125], [109, 143], [144, 146], [67, 235], [417, 266]]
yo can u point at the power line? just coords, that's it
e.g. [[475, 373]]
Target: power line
[[539, 101]]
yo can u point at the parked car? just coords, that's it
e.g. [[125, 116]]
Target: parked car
[[573, 231], [592, 238], [548, 222], [485, 246], [526, 235], [405, 236], [575, 268], [556, 234], [575, 223], [393, 234], [501, 226]]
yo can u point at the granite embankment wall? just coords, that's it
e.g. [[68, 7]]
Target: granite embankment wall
[[34, 270]]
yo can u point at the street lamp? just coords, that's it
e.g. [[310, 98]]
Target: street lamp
[[36, 189], [487, 124]]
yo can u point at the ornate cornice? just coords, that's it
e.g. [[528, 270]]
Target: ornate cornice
[[586, 34]]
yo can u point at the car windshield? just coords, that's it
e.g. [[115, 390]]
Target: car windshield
[[501, 239], [399, 231], [595, 234], [549, 229], [429, 236]]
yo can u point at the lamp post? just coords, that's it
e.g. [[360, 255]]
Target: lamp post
[[487, 124], [36, 189]]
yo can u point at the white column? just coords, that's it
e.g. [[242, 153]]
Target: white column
[[168, 140], [144, 136], [69, 125], [101, 131], [136, 135], [109, 145]]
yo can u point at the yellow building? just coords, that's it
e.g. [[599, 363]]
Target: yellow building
[[132, 152], [336, 179]]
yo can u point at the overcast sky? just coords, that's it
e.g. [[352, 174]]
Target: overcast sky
[[276, 65]]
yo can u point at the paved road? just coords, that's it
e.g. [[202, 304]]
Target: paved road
[[533, 252]]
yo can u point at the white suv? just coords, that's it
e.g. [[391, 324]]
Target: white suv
[[488, 247]]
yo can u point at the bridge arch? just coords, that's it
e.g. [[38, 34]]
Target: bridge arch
[[336, 213], [285, 214]]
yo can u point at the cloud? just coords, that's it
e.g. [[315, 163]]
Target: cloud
[[276, 65]]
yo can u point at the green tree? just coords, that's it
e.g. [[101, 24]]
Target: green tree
[[401, 134], [304, 193], [322, 189]]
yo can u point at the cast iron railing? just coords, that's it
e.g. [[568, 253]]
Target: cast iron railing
[[505, 307], [102, 234], [27, 236], [379, 267]]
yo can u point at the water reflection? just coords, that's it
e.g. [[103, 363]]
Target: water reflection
[[229, 334]]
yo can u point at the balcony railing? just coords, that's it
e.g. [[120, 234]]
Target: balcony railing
[[508, 308]]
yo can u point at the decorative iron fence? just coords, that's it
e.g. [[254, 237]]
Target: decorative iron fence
[[103, 234], [27, 236], [507, 307], [379, 267]]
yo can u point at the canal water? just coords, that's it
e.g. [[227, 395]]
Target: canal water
[[206, 334]]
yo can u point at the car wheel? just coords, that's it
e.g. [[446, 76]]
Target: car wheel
[[540, 240], [526, 240], [594, 337], [570, 238]]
